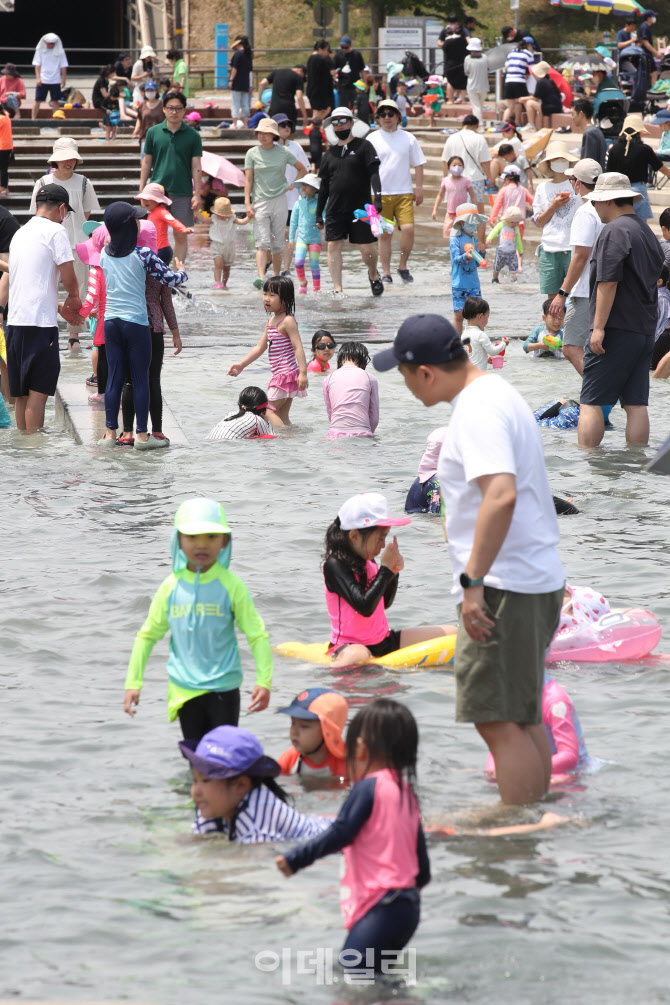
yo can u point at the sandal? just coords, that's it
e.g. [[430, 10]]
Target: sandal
[[126, 440]]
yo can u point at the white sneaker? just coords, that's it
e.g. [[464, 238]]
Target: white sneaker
[[239, 124]]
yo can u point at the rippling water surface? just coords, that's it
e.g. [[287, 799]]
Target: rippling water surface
[[104, 895]]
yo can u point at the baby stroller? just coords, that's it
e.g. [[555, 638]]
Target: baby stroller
[[414, 72], [659, 95], [610, 114]]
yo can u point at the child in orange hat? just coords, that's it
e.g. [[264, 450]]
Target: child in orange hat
[[318, 716]]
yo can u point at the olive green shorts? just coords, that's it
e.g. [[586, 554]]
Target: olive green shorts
[[501, 680]]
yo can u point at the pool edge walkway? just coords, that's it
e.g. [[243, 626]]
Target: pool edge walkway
[[85, 420]]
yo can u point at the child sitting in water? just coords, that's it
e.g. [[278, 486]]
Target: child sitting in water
[[552, 326], [476, 313], [318, 717], [358, 591], [424, 494], [202, 603], [154, 199], [379, 830], [222, 240], [351, 394], [282, 340], [235, 792], [323, 347], [564, 730], [253, 419]]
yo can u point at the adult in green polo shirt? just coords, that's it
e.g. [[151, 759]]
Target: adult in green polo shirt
[[172, 157], [265, 187]]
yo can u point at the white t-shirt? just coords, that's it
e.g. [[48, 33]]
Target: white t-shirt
[[556, 233], [35, 252], [293, 194], [50, 63], [472, 148], [398, 152], [482, 346], [493, 431], [82, 198], [584, 230]]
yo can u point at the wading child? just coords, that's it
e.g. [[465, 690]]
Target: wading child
[[424, 493], [201, 603], [235, 792], [462, 246], [254, 419], [379, 830], [304, 234], [510, 247], [222, 240], [552, 326], [351, 394], [155, 201], [455, 189], [358, 591], [318, 717], [476, 313], [513, 193], [282, 340], [323, 347]]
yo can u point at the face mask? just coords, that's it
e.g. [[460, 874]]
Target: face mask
[[470, 229], [342, 134], [559, 166], [653, 20], [456, 169]]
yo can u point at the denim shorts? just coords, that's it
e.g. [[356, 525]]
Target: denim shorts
[[240, 104], [622, 372], [641, 206]]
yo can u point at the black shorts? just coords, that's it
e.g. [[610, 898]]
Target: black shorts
[[622, 372], [33, 360], [339, 228], [390, 644], [515, 90], [42, 90]]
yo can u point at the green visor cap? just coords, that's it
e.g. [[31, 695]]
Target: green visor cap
[[201, 516]]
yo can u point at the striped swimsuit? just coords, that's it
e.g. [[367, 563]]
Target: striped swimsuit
[[262, 817], [284, 366]]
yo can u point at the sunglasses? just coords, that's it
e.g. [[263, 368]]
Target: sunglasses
[[341, 122], [325, 345], [386, 114]]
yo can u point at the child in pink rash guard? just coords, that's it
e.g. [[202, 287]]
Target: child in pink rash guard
[[351, 394]]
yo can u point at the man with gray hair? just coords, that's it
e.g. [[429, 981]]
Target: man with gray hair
[[625, 268], [584, 230]]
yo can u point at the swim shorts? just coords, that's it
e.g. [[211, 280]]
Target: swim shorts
[[459, 296], [622, 372], [553, 266], [42, 90], [501, 680], [33, 360], [390, 644], [399, 208], [506, 258]]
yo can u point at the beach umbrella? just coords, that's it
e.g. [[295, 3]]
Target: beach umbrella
[[218, 167], [585, 63], [618, 7]]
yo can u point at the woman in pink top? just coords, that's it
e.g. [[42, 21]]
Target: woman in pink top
[[379, 829], [455, 190], [352, 396]]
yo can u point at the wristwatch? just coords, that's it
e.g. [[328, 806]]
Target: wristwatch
[[466, 582], [562, 293]]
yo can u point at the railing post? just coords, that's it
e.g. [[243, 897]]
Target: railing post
[[344, 17], [249, 20]]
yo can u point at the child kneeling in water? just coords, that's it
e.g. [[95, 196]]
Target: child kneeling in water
[[358, 591], [254, 418], [318, 717], [235, 792], [379, 830], [202, 603]]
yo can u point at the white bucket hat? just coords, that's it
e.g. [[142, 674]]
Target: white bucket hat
[[311, 179], [612, 185], [65, 149], [147, 51], [475, 44]]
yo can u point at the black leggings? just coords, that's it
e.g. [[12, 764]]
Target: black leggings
[[103, 370], [4, 164], [207, 711], [387, 927], [155, 392], [661, 348]]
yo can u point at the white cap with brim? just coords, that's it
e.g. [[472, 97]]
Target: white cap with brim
[[340, 112], [612, 185], [586, 170], [311, 179], [369, 509]]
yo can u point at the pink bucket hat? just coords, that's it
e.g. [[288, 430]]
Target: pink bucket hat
[[147, 236], [155, 192], [89, 251]]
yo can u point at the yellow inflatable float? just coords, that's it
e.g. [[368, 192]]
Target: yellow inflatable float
[[433, 653]]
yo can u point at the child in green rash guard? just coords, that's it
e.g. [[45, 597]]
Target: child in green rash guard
[[201, 603]]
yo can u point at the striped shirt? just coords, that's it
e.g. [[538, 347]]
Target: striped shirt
[[261, 817], [517, 66], [246, 427], [280, 351]]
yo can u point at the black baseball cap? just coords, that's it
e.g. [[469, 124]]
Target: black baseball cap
[[53, 193], [423, 339]]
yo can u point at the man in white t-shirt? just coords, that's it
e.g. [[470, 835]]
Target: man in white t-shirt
[[584, 229], [502, 535], [474, 151], [40, 255], [50, 64], [398, 153]]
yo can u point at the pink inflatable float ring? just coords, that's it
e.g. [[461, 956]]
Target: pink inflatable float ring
[[630, 634]]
